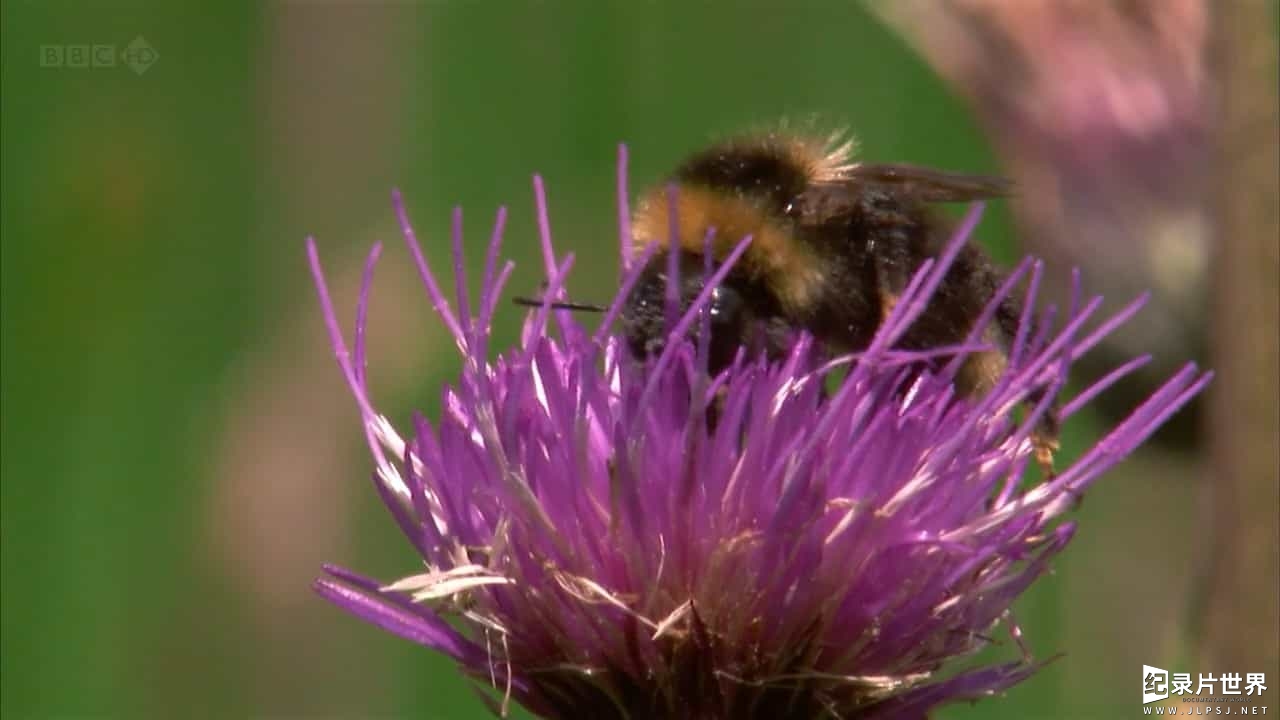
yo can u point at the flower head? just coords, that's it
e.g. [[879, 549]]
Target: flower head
[[609, 538]]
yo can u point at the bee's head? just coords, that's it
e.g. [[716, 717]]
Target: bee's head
[[738, 313]]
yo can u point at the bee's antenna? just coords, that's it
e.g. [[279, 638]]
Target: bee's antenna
[[559, 305]]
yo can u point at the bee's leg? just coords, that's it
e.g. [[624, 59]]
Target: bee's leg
[[1043, 447], [898, 243], [1045, 441], [980, 373], [891, 233]]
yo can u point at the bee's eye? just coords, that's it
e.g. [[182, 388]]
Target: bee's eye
[[725, 306]]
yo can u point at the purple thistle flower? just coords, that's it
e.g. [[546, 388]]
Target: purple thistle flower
[[594, 547]]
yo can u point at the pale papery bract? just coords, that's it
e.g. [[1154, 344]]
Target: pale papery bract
[[605, 537]]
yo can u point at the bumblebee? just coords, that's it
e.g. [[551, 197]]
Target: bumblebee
[[834, 245]]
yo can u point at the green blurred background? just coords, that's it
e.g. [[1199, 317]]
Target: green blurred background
[[179, 452]]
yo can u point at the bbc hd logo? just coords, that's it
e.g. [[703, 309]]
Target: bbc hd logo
[[138, 56], [1155, 684]]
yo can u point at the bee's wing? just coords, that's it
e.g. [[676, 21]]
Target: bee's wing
[[930, 185]]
